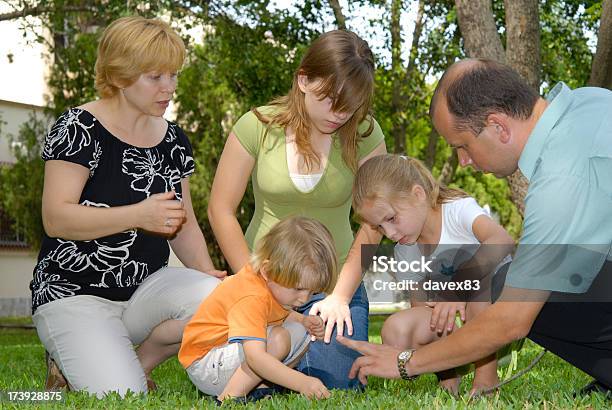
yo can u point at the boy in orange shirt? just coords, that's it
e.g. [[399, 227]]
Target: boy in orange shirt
[[246, 330]]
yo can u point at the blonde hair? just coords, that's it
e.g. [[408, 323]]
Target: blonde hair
[[344, 64], [391, 177], [299, 253], [130, 46]]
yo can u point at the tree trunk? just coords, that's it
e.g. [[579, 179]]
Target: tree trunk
[[399, 98], [523, 39], [340, 19], [479, 31], [58, 23], [399, 137], [430, 152], [448, 170], [601, 70], [523, 54], [482, 40], [416, 37]]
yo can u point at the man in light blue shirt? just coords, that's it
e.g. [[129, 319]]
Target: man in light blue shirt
[[558, 290]]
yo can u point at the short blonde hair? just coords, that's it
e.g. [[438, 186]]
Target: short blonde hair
[[390, 177], [299, 253], [134, 45]]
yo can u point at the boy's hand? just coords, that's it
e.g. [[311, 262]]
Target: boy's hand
[[315, 326], [313, 388], [443, 315]]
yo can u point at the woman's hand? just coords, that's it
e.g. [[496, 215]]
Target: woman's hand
[[161, 213], [443, 315], [335, 312]]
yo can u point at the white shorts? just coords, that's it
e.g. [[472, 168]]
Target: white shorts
[[92, 339], [211, 373]]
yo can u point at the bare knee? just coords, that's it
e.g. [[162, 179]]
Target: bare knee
[[396, 332], [279, 342]]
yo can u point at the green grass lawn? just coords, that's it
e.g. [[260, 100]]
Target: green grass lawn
[[549, 385]]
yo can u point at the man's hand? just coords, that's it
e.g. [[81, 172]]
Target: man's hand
[[377, 360], [315, 326]]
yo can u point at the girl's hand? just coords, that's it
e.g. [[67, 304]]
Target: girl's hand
[[221, 274], [334, 312], [315, 326], [161, 213], [313, 388], [443, 315]]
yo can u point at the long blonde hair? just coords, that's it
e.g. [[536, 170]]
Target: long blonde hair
[[391, 177], [344, 64], [299, 252]]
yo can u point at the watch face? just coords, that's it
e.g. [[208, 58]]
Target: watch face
[[404, 355]]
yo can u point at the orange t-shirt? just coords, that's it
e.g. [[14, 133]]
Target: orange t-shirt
[[240, 308]]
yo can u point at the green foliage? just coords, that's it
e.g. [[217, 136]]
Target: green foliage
[[487, 189], [247, 56], [21, 183], [566, 55]]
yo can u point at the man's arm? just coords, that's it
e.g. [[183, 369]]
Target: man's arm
[[507, 320]]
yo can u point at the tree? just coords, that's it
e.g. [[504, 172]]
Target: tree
[[601, 72], [481, 38], [340, 19], [248, 53]]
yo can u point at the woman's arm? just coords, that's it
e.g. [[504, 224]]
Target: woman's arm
[[229, 186], [189, 244], [334, 309], [63, 216]]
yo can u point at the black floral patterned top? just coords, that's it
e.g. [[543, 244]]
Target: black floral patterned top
[[113, 266]]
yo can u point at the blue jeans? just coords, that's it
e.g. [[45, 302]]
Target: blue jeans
[[331, 362]]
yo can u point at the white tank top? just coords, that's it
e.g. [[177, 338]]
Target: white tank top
[[305, 182]]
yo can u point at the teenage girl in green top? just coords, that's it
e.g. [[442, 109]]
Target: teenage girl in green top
[[302, 152]]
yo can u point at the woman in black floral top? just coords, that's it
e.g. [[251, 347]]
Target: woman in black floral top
[[116, 194]]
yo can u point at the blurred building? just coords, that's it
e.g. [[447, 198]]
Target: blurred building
[[17, 258]]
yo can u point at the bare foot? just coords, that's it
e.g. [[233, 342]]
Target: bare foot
[[151, 385], [482, 383], [451, 385]]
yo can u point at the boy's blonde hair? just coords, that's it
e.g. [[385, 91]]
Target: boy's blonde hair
[[391, 178], [299, 253], [130, 46], [345, 65]]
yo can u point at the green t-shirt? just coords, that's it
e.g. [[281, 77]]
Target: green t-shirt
[[276, 196]]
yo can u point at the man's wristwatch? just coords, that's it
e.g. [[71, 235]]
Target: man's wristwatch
[[402, 359]]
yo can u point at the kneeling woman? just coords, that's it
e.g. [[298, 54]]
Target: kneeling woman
[[116, 193]]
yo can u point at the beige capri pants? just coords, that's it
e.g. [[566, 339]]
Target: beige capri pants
[[92, 339], [211, 373]]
